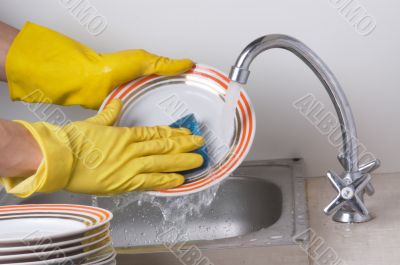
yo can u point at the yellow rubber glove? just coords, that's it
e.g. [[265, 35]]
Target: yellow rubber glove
[[69, 73], [93, 157]]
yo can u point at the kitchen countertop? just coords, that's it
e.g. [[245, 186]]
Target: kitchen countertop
[[372, 243]]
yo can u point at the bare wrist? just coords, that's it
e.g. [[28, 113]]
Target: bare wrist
[[7, 34], [20, 155]]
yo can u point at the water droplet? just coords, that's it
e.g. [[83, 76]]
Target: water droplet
[[276, 237], [95, 202]]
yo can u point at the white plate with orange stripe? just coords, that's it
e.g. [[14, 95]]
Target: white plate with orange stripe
[[57, 252], [159, 100], [56, 244], [27, 225]]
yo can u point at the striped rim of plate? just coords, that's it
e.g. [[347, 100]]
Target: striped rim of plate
[[42, 221], [99, 250], [57, 252], [53, 245]]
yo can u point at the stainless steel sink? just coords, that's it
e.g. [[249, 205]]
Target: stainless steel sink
[[260, 207]]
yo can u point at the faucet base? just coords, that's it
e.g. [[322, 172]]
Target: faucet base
[[342, 216]]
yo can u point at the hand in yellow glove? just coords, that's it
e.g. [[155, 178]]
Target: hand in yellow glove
[[69, 73], [93, 157]]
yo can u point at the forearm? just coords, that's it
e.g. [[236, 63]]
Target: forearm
[[20, 155], [7, 35]]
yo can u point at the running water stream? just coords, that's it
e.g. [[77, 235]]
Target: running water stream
[[174, 210], [229, 111]]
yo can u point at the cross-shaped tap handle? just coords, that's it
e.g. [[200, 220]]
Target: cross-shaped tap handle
[[349, 193], [363, 169]]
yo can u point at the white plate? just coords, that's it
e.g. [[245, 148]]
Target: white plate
[[40, 255], [29, 230], [102, 249], [158, 100], [53, 245]]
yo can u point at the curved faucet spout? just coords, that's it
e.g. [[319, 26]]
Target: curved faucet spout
[[352, 184], [240, 73]]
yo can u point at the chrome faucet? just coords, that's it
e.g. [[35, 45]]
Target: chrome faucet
[[354, 182]]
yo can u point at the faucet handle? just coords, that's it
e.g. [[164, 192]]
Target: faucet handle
[[370, 166], [349, 193], [369, 189], [364, 169], [367, 168]]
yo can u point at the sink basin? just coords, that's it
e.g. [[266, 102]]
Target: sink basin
[[262, 205], [241, 206]]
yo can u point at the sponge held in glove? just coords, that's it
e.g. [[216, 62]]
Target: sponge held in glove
[[189, 121]]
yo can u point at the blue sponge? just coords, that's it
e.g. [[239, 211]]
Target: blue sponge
[[189, 121]]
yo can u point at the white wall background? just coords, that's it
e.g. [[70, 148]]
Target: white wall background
[[214, 32]]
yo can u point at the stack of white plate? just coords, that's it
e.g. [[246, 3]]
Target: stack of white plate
[[55, 234]]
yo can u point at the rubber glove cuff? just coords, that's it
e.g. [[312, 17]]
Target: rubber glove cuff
[[53, 174]]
